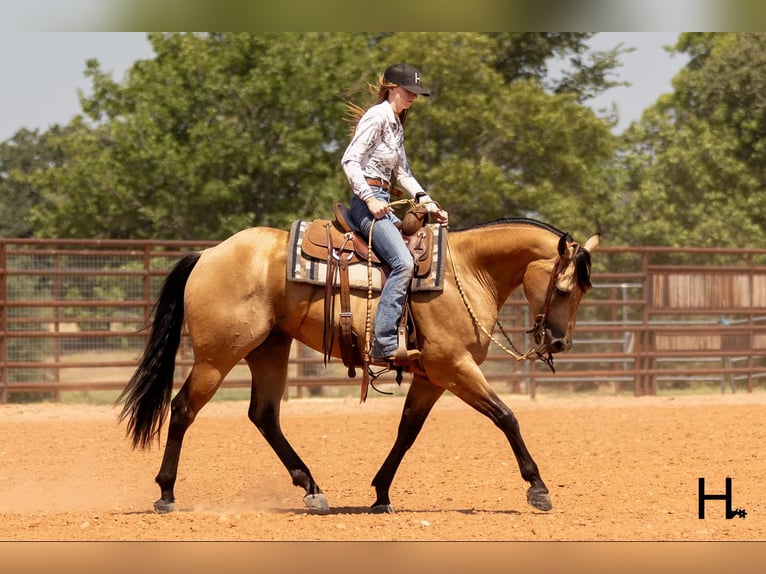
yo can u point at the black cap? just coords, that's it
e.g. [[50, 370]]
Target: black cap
[[407, 77]]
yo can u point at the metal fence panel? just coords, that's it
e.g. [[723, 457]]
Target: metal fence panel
[[72, 314]]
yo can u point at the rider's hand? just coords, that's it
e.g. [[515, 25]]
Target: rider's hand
[[440, 215], [378, 208], [437, 213], [434, 210]]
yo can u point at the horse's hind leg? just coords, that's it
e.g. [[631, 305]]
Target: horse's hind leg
[[420, 399], [268, 365], [200, 386]]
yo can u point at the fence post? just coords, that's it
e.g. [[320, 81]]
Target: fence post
[[750, 324], [638, 379], [3, 326], [56, 325]]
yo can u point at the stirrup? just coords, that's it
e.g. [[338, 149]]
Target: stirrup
[[399, 359]]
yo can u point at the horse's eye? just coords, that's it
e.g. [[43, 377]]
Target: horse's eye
[[561, 292]]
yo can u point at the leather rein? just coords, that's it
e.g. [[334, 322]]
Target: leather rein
[[541, 350]]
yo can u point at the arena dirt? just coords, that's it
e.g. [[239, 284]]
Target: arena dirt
[[618, 469]]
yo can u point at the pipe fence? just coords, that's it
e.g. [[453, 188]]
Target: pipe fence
[[73, 312]]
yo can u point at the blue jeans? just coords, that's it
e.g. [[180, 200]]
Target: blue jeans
[[388, 245]]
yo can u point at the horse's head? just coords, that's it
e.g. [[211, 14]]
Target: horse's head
[[554, 288]]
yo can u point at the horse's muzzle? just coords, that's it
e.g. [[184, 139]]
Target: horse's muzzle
[[547, 344], [556, 344]]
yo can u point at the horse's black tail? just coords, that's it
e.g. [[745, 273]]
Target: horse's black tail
[[147, 395]]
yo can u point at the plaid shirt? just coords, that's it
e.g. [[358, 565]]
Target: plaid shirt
[[377, 151]]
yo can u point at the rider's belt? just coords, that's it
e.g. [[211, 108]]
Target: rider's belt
[[378, 183]]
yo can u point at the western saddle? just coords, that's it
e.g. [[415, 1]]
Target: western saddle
[[340, 246]]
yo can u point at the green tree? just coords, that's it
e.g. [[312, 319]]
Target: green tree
[[528, 56], [20, 156], [222, 131], [491, 146], [696, 162], [216, 133]]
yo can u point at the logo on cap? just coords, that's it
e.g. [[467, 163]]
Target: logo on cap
[[405, 76]]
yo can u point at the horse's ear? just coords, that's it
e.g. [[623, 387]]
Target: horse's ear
[[563, 244], [592, 242]]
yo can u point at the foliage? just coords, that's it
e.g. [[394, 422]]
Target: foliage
[[20, 156], [217, 133], [696, 163], [526, 56], [223, 131]]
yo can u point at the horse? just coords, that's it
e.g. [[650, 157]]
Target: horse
[[237, 303]]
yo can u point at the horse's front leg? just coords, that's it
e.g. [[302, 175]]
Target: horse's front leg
[[268, 366], [537, 494], [420, 399], [472, 387]]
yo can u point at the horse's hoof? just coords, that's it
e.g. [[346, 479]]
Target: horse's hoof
[[538, 499], [316, 502], [164, 507], [382, 509]]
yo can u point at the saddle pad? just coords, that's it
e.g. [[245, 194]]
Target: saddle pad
[[308, 270]]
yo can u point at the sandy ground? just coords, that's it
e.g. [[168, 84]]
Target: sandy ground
[[618, 468]]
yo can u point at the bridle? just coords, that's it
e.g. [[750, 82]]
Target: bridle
[[541, 349], [540, 326]]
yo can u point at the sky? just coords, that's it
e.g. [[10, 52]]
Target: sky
[[42, 72], [649, 69]]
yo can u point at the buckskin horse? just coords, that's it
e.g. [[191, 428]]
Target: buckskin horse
[[237, 304]]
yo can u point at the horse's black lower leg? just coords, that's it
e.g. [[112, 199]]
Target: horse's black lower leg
[[200, 386], [267, 421], [537, 494], [471, 386], [268, 366], [181, 418], [420, 399]]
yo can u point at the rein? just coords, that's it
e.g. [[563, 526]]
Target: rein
[[538, 351], [537, 330]]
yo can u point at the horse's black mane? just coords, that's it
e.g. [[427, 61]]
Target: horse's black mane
[[582, 260], [524, 220]]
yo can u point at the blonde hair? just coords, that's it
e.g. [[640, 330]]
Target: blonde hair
[[355, 112]]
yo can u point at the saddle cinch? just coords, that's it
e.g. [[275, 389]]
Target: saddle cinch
[[340, 246]]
